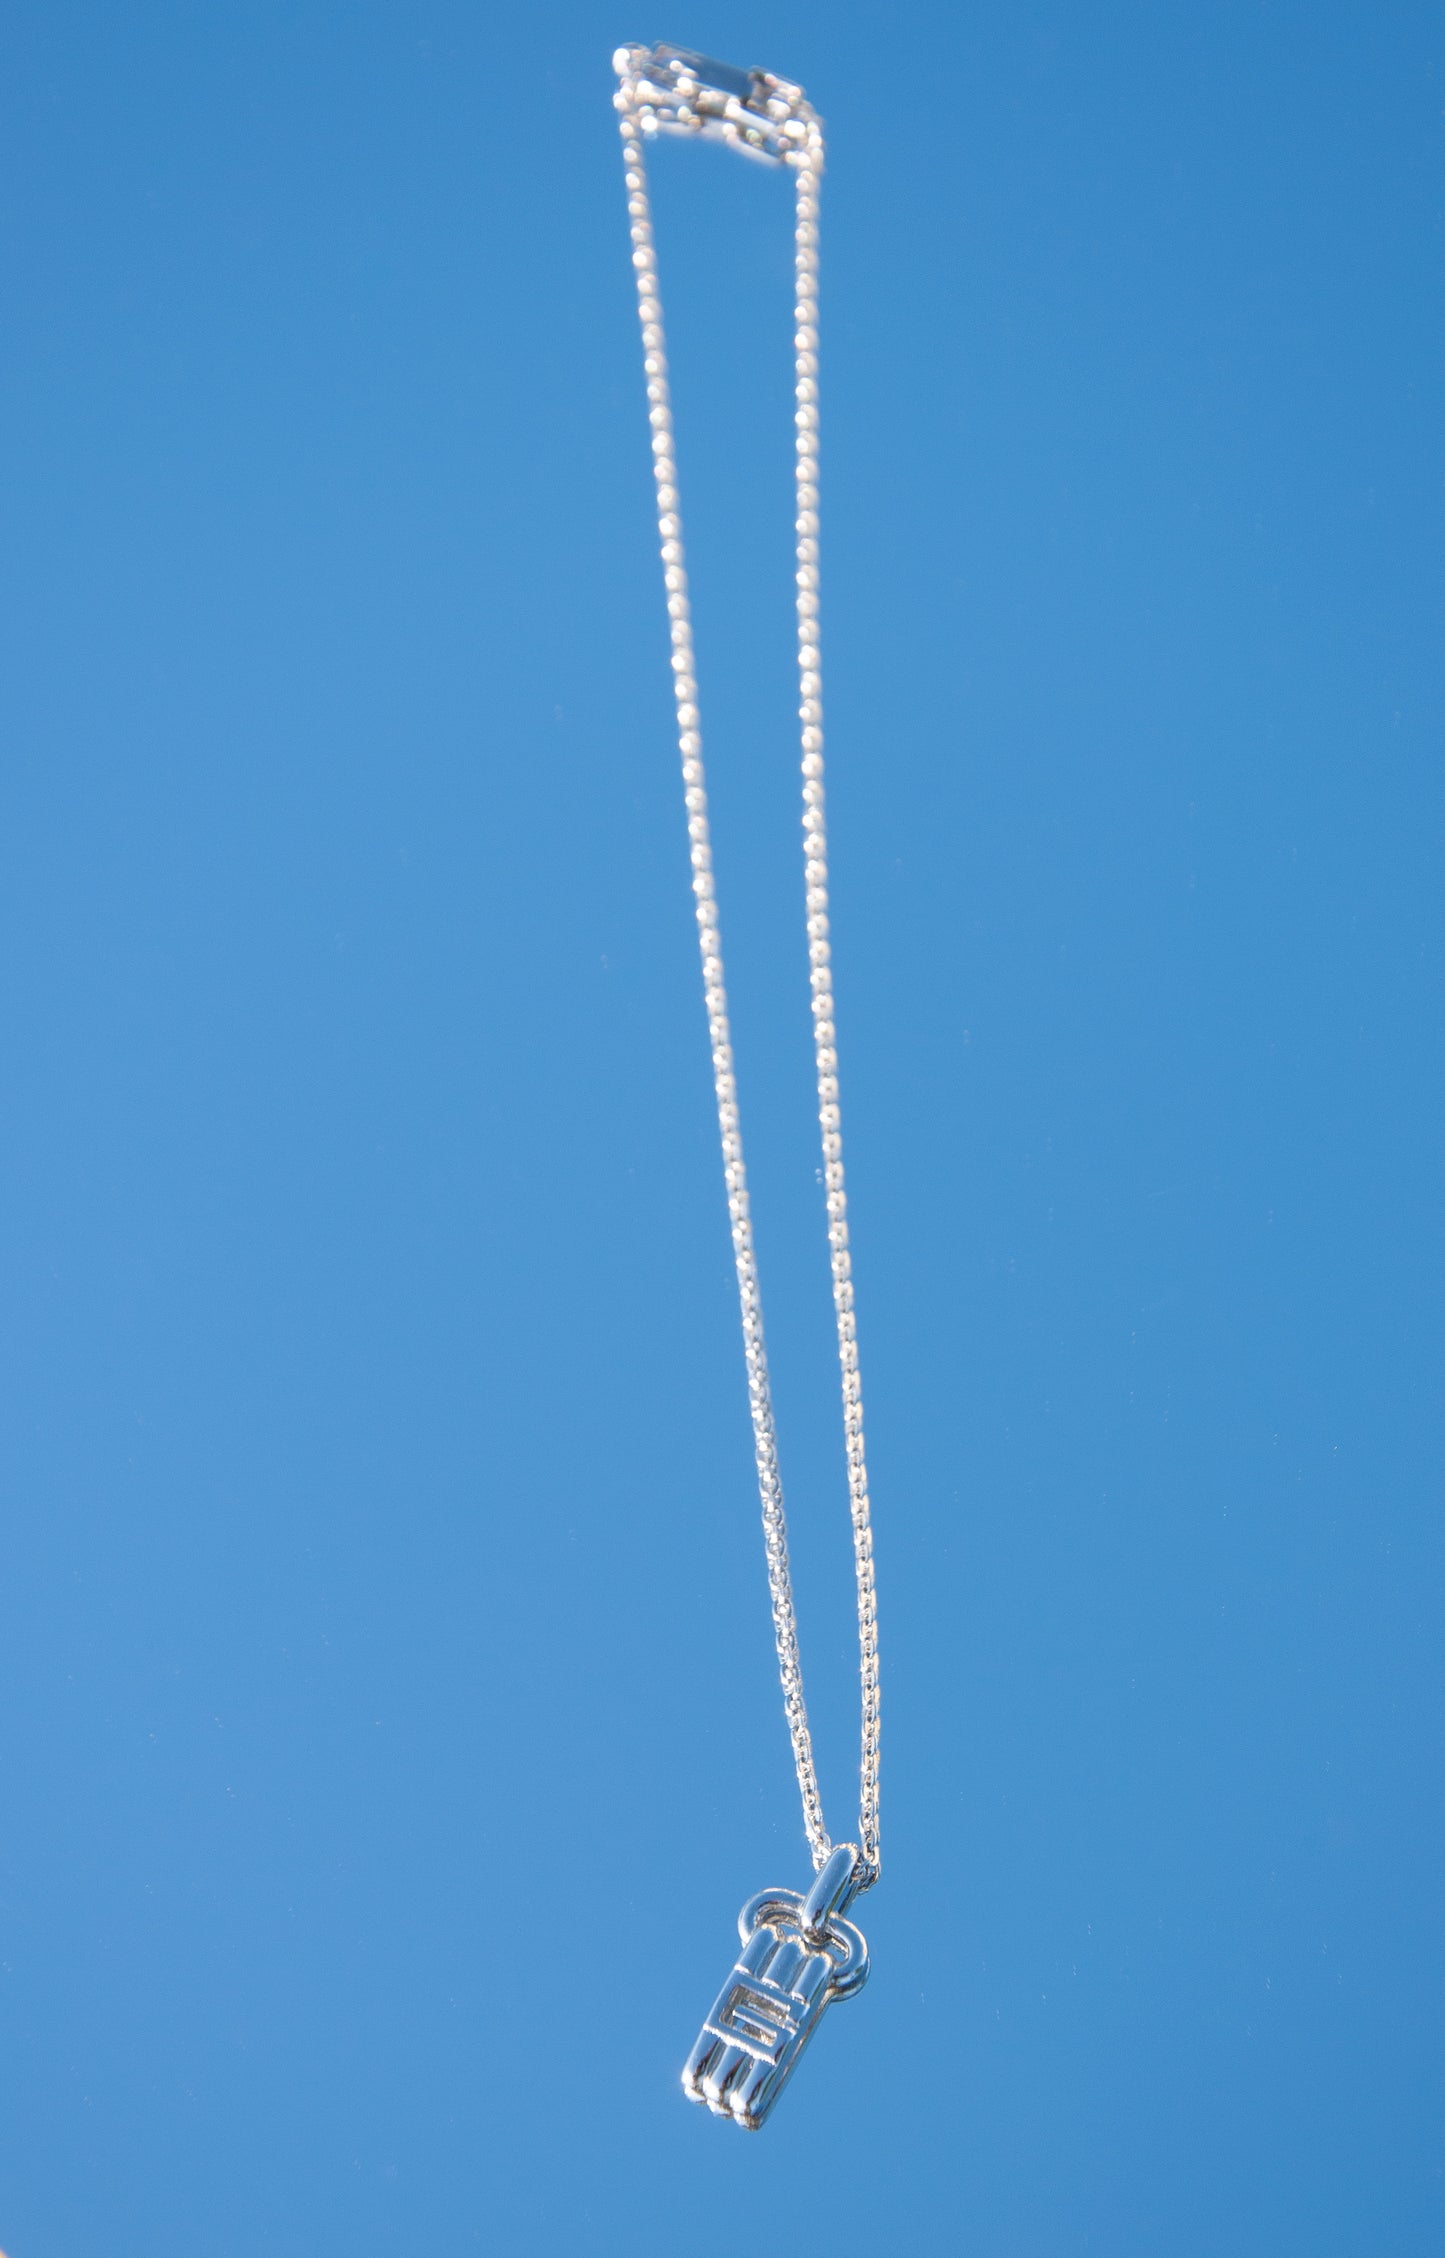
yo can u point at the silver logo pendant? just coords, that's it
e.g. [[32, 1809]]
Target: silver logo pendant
[[798, 1956]]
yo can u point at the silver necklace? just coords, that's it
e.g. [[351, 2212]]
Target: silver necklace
[[799, 1952]]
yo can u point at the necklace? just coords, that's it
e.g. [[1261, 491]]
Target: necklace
[[799, 1952]]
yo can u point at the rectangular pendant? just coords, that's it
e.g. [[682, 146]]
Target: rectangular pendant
[[798, 1956]]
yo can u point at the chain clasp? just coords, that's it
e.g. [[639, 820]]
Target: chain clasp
[[671, 90]]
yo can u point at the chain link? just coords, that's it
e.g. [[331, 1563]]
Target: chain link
[[806, 163]]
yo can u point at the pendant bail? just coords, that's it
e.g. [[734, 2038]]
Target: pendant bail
[[834, 1887]]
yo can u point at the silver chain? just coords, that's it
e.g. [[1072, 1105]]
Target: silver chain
[[665, 89]]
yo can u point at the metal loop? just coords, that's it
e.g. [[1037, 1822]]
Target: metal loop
[[844, 1943]]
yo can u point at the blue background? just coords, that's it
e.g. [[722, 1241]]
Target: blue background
[[390, 1730]]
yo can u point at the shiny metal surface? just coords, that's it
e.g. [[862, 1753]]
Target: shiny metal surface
[[668, 90], [671, 90], [834, 1887], [799, 1954]]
